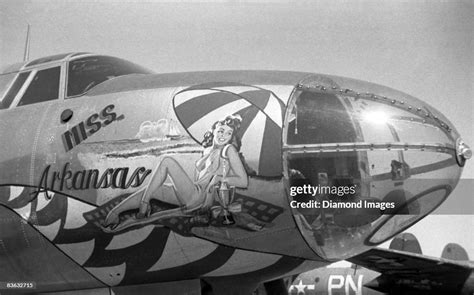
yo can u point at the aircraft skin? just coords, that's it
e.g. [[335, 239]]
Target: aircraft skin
[[401, 269], [78, 164]]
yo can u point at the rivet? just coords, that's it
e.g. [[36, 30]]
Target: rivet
[[402, 102], [409, 107], [384, 97], [334, 87], [393, 101], [418, 109]]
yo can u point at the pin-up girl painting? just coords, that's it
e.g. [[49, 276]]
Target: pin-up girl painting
[[220, 160]]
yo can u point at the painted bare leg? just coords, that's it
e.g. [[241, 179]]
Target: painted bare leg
[[183, 184]]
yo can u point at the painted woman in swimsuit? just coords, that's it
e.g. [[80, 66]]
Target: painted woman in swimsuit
[[220, 160]]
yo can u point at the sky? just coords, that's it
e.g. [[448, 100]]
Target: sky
[[423, 48]]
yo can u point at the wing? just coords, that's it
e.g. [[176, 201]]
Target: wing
[[409, 273]]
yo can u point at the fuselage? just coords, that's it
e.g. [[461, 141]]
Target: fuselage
[[87, 148]]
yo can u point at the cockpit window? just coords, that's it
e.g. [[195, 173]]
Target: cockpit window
[[5, 81], [13, 91], [315, 112], [87, 72], [43, 87]]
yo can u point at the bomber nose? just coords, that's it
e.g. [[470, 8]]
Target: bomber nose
[[401, 157]]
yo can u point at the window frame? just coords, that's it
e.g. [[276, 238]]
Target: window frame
[[23, 88], [10, 85], [28, 81]]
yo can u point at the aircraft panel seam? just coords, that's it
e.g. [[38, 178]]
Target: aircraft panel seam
[[35, 143]]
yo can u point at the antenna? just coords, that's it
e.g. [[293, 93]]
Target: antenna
[[26, 56]]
